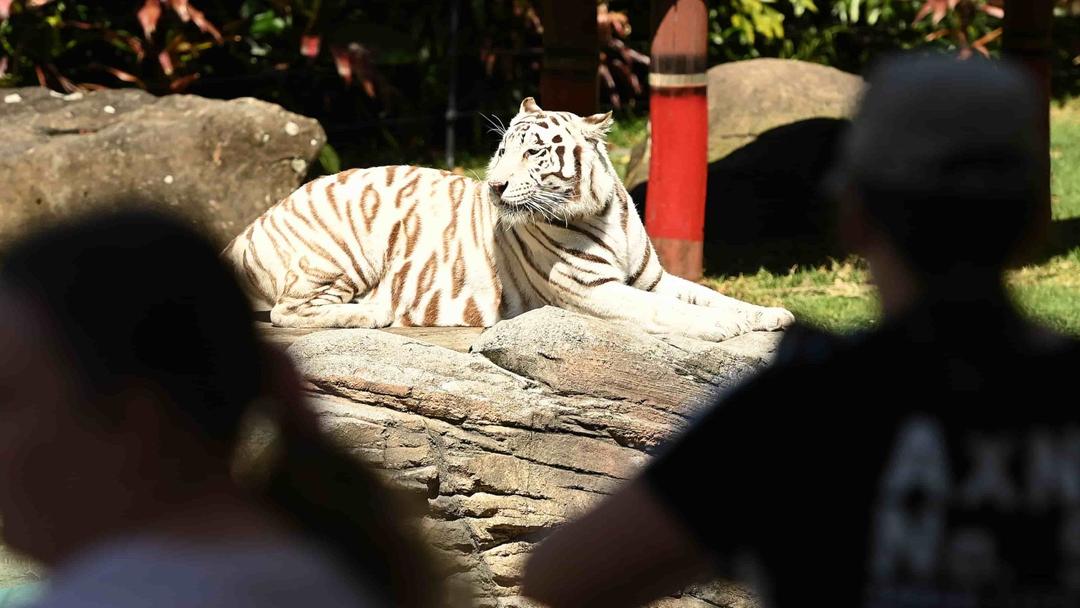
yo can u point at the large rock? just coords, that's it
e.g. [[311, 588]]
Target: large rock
[[773, 130], [219, 162], [549, 413], [748, 98]]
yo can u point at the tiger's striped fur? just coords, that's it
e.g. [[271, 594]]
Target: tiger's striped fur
[[552, 224]]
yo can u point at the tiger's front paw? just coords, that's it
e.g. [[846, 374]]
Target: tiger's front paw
[[773, 319]]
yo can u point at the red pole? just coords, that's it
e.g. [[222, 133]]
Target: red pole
[[675, 209]]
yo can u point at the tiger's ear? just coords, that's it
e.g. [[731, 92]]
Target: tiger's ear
[[528, 106], [597, 125]]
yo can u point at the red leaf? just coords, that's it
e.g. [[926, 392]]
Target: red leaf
[[3, 66], [368, 86], [166, 62], [182, 83], [5, 9], [149, 15], [40, 76], [605, 76], [936, 35], [343, 63], [924, 10], [309, 45], [940, 10], [180, 7], [122, 75], [988, 38], [994, 11], [65, 83], [204, 24], [135, 44], [937, 9]]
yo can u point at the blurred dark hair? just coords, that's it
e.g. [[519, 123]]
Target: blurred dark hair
[[139, 296], [944, 157], [977, 222]]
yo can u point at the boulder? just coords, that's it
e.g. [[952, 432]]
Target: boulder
[[548, 413], [221, 163], [748, 98], [774, 125]]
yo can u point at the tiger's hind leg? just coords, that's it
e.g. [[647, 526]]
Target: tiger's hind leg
[[331, 307]]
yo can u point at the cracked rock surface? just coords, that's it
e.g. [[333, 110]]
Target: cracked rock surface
[[547, 413], [220, 163]]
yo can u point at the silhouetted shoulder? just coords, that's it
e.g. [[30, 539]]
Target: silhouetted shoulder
[[807, 344]]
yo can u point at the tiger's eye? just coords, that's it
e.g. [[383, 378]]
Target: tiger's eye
[[532, 152]]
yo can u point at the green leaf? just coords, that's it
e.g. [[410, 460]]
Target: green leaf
[[267, 23], [329, 159]]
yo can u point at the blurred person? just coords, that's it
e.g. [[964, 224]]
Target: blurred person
[[933, 461], [129, 368]]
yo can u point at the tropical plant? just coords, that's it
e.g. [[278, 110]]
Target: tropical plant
[[378, 74], [620, 64]]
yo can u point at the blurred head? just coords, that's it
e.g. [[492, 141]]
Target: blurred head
[[129, 359], [551, 165], [942, 167]]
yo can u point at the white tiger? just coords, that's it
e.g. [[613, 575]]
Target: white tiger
[[405, 245]]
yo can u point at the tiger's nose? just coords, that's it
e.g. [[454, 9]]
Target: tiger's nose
[[498, 187]]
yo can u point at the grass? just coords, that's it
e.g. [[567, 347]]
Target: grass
[[839, 297], [624, 135]]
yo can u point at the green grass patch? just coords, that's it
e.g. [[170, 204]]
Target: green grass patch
[[837, 297], [624, 135], [1065, 159]]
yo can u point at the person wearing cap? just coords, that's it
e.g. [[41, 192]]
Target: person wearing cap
[[932, 461]]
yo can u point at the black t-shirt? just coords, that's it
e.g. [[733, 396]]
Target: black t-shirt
[[934, 462]]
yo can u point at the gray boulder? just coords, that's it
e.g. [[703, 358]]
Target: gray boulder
[[774, 126], [748, 98], [221, 163]]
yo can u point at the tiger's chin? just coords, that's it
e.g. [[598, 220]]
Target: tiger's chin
[[511, 216], [524, 212], [535, 212]]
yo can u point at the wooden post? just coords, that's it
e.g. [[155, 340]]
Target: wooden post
[[679, 113], [571, 56], [1028, 39]]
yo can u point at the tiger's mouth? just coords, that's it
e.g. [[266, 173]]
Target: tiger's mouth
[[537, 204], [516, 212]]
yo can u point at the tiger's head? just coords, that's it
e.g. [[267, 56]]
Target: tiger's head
[[551, 166]]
